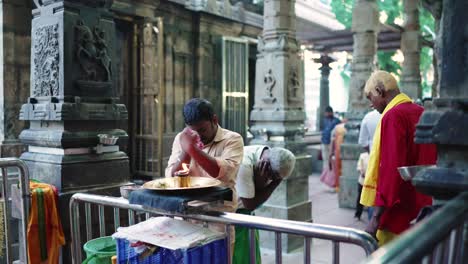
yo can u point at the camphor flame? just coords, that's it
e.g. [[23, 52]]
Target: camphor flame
[[184, 180], [185, 170]]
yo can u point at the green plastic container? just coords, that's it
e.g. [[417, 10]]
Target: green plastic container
[[100, 250]]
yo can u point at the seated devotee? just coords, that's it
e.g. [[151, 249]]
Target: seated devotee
[[396, 202], [261, 171], [211, 150]]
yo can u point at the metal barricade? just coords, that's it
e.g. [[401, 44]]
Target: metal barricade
[[307, 230], [442, 238], [6, 163]]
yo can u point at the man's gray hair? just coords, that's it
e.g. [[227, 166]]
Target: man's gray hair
[[282, 161]]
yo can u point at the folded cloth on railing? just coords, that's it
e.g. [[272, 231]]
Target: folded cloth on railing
[[176, 201], [45, 234]]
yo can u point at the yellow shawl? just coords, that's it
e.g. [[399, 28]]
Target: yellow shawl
[[372, 173]]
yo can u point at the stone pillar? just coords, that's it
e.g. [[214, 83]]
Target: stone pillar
[[410, 82], [278, 115], [15, 45], [445, 125], [435, 8], [325, 60], [365, 28], [73, 98]]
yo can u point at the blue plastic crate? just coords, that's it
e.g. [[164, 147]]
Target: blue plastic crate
[[214, 252]]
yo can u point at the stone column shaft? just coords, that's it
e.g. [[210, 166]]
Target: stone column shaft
[[365, 28], [411, 47], [278, 115], [15, 48], [73, 98], [325, 60], [444, 125]]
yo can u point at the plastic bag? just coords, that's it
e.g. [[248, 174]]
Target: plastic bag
[[328, 177]]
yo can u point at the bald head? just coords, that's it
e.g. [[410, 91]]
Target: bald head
[[383, 80]]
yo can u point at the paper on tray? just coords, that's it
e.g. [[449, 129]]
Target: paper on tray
[[168, 233]]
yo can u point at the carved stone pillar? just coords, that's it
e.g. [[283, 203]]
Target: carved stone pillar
[[278, 115], [325, 60], [411, 47], [435, 7], [445, 125], [365, 28], [14, 72], [73, 98]]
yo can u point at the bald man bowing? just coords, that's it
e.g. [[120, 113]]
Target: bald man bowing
[[396, 202]]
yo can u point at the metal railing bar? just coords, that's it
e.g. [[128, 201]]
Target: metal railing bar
[[451, 253], [464, 243], [415, 243], [446, 249], [131, 217], [228, 246], [116, 218], [340, 234], [336, 252], [252, 245], [75, 233], [436, 255], [430, 258], [278, 248], [458, 244], [147, 216], [425, 260], [25, 199], [307, 249], [102, 221], [6, 216], [89, 226]]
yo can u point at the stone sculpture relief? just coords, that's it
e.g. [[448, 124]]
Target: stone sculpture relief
[[293, 85], [92, 53], [46, 61], [270, 82], [92, 3]]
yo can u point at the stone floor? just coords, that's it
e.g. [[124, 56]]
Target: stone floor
[[325, 210]]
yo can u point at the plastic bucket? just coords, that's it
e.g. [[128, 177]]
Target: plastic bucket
[[100, 250]]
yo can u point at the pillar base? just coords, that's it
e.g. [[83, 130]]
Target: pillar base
[[11, 148], [69, 172]]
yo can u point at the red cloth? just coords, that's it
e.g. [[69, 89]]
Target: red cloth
[[401, 200]]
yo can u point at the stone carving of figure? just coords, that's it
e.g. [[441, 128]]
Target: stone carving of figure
[[293, 84], [270, 82], [102, 55], [86, 51], [92, 53]]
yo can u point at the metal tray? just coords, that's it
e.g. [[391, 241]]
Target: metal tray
[[174, 183]]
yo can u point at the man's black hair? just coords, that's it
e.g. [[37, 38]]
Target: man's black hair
[[328, 109], [196, 110]]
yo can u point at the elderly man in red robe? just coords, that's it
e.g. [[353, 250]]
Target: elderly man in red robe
[[396, 202]]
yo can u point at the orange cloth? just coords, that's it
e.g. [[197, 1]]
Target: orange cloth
[[45, 234], [338, 139]]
